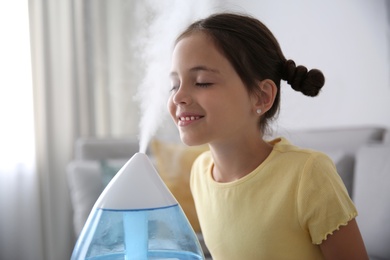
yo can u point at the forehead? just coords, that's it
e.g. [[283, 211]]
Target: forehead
[[197, 49], [195, 37]]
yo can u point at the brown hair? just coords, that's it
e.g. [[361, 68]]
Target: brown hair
[[256, 55]]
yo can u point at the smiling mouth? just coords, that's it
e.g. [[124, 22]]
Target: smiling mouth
[[189, 118]]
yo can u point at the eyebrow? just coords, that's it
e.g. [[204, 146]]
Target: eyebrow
[[204, 68], [198, 68]]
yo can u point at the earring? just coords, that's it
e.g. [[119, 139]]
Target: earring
[[258, 111]]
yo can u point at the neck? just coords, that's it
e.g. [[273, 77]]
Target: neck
[[234, 161]]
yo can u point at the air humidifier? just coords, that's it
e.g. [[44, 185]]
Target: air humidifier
[[137, 218]]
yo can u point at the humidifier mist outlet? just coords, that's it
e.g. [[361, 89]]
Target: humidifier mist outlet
[[136, 217]]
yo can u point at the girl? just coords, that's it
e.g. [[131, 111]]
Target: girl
[[255, 199]]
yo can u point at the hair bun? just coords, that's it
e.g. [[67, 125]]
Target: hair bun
[[307, 82]]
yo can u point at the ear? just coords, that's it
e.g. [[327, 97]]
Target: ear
[[265, 96]]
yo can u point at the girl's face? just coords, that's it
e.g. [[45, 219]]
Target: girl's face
[[209, 103]]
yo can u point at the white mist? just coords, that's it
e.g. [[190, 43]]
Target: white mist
[[165, 20]]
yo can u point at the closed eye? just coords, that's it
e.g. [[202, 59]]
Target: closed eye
[[174, 88], [203, 85]]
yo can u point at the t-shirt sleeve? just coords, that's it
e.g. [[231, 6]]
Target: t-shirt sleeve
[[323, 201]]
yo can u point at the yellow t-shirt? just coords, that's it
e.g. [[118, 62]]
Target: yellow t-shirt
[[281, 210]]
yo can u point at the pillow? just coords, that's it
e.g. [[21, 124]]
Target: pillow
[[173, 162], [85, 186]]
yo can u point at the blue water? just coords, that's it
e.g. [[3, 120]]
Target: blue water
[[154, 255], [148, 234]]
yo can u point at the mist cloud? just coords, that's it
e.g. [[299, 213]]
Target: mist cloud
[[164, 20]]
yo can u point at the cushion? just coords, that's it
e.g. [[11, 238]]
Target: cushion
[[173, 163], [85, 186], [372, 196]]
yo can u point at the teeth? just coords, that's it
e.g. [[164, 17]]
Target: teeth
[[189, 118]]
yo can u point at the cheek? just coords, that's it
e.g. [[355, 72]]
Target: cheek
[[171, 108]]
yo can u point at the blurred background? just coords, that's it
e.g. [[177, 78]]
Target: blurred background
[[97, 68]]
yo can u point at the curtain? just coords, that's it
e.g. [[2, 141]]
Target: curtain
[[55, 123], [20, 214], [82, 88]]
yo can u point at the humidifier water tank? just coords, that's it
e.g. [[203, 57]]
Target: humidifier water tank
[[137, 218]]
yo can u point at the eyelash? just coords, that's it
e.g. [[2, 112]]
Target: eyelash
[[199, 84], [174, 88], [203, 85]]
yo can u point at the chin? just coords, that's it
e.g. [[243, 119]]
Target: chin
[[190, 141]]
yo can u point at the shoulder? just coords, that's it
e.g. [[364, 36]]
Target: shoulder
[[203, 160], [322, 201], [300, 156]]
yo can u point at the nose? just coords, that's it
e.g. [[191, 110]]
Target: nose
[[182, 96]]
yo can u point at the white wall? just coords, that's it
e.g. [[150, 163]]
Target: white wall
[[349, 41]]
